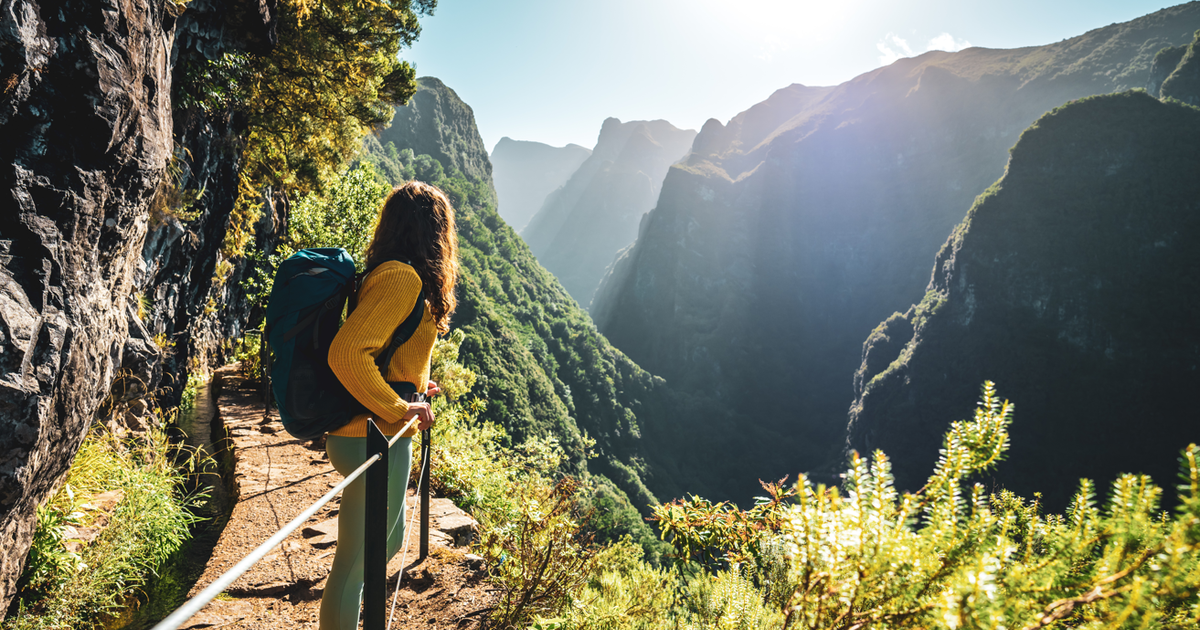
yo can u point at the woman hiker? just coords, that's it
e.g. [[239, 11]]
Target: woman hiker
[[416, 226]]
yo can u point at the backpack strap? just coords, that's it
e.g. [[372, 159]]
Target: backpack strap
[[403, 333]]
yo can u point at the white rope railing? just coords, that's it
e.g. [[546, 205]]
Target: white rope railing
[[195, 604]]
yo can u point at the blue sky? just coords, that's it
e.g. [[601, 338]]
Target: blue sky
[[553, 70]]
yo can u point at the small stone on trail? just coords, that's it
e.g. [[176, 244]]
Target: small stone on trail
[[438, 537], [323, 542], [273, 588], [324, 528], [218, 614], [473, 561], [448, 518]]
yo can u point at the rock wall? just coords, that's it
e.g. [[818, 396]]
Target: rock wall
[[1072, 285], [86, 117], [115, 208], [193, 291]]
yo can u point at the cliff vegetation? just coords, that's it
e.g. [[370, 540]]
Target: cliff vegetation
[[1070, 281], [809, 555]]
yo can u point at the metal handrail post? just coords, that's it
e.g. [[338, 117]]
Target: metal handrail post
[[375, 543], [426, 437]]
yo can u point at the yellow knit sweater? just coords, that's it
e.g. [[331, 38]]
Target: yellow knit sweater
[[385, 299]]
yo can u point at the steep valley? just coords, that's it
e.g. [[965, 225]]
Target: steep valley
[[789, 233], [582, 226]]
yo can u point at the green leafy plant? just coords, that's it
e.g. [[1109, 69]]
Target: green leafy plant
[[951, 555], [247, 351], [49, 558], [150, 521], [538, 562]]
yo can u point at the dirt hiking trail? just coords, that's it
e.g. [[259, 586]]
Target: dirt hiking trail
[[277, 477]]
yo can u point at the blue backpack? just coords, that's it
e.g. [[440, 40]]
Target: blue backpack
[[312, 288]]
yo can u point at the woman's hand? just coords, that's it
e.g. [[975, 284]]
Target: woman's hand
[[432, 389], [420, 410]]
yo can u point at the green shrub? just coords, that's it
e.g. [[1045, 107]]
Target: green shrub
[[247, 351], [343, 215], [151, 521], [622, 591], [954, 556], [537, 559]]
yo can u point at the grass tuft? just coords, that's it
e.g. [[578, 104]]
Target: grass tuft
[[71, 583]]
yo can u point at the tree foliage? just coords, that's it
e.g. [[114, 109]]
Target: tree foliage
[[344, 215], [307, 101], [334, 75]]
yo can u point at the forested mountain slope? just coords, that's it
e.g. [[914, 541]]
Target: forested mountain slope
[[788, 234], [544, 368], [526, 172], [1074, 283], [580, 228]]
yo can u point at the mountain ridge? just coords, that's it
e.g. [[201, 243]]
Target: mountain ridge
[[776, 247], [1071, 284], [525, 172]]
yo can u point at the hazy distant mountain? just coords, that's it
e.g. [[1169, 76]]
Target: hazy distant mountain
[[1073, 284], [525, 172], [581, 226], [787, 235]]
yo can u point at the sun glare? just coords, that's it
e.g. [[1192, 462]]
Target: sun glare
[[781, 19]]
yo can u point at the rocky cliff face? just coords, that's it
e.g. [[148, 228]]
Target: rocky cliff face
[[789, 233], [581, 227], [434, 125], [85, 113], [1071, 284], [526, 172], [113, 281], [191, 283]]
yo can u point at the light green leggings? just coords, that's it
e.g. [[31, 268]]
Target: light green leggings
[[343, 592]]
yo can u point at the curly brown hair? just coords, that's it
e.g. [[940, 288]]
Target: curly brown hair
[[417, 226]]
